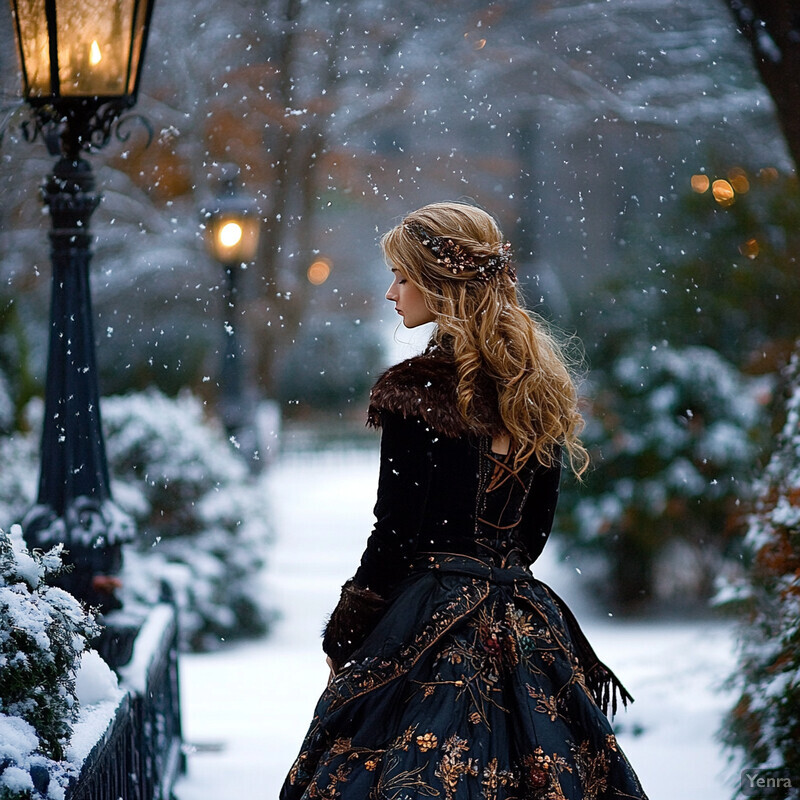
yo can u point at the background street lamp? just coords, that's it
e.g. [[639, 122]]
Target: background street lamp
[[81, 64], [232, 226]]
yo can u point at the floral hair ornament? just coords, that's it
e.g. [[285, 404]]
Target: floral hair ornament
[[457, 259]]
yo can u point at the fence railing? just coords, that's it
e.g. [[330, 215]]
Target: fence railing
[[139, 756]]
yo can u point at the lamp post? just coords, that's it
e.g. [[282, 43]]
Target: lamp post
[[81, 64], [232, 227]]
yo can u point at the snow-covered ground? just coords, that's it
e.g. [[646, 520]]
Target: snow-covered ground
[[246, 709]]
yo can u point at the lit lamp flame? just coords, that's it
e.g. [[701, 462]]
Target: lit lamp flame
[[230, 234], [95, 56]]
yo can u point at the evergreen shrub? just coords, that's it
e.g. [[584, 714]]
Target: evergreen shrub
[[43, 632], [764, 726], [672, 432], [202, 517]]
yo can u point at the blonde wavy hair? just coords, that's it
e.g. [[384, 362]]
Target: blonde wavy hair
[[491, 332]]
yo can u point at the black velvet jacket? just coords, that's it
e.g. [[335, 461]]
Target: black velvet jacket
[[440, 489]]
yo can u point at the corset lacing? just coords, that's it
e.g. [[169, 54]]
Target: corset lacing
[[501, 494]]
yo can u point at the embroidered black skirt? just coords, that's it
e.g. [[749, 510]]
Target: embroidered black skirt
[[476, 684]]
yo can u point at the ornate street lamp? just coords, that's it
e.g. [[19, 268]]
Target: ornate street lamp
[[81, 64], [232, 226]]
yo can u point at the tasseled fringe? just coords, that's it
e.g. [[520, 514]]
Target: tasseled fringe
[[604, 686]]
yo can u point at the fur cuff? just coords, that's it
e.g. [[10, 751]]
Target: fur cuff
[[354, 617]]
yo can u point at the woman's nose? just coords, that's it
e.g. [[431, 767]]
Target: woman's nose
[[390, 294]]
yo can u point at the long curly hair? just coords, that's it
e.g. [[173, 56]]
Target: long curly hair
[[491, 333]]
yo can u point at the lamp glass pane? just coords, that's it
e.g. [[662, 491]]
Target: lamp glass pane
[[94, 40], [33, 43]]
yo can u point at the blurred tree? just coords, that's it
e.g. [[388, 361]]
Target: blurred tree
[[673, 435], [566, 119], [721, 273], [772, 27], [764, 726], [322, 378], [596, 107], [204, 521], [702, 300]]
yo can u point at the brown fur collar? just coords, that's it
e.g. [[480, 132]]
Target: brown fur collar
[[425, 386]]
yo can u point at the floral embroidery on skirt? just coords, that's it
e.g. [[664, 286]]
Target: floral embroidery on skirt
[[470, 687]]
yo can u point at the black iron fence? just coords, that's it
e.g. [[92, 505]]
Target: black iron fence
[[139, 757]]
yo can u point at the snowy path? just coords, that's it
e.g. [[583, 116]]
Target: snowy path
[[245, 710]]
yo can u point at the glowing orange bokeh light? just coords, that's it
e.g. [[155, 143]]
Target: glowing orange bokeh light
[[738, 178], [768, 174], [319, 271], [723, 192]]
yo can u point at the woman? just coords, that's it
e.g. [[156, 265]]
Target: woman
[[454, 672]]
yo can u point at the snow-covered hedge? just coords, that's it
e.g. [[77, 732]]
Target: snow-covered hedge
[[43, 633], [673, 437], [202, 517], [764, 726]]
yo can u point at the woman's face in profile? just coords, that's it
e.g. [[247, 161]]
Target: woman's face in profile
[[408, 300]]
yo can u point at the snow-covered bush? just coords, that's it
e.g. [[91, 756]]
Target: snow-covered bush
[[764, 726], [672, 436], [43, 633], [202, 518]]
